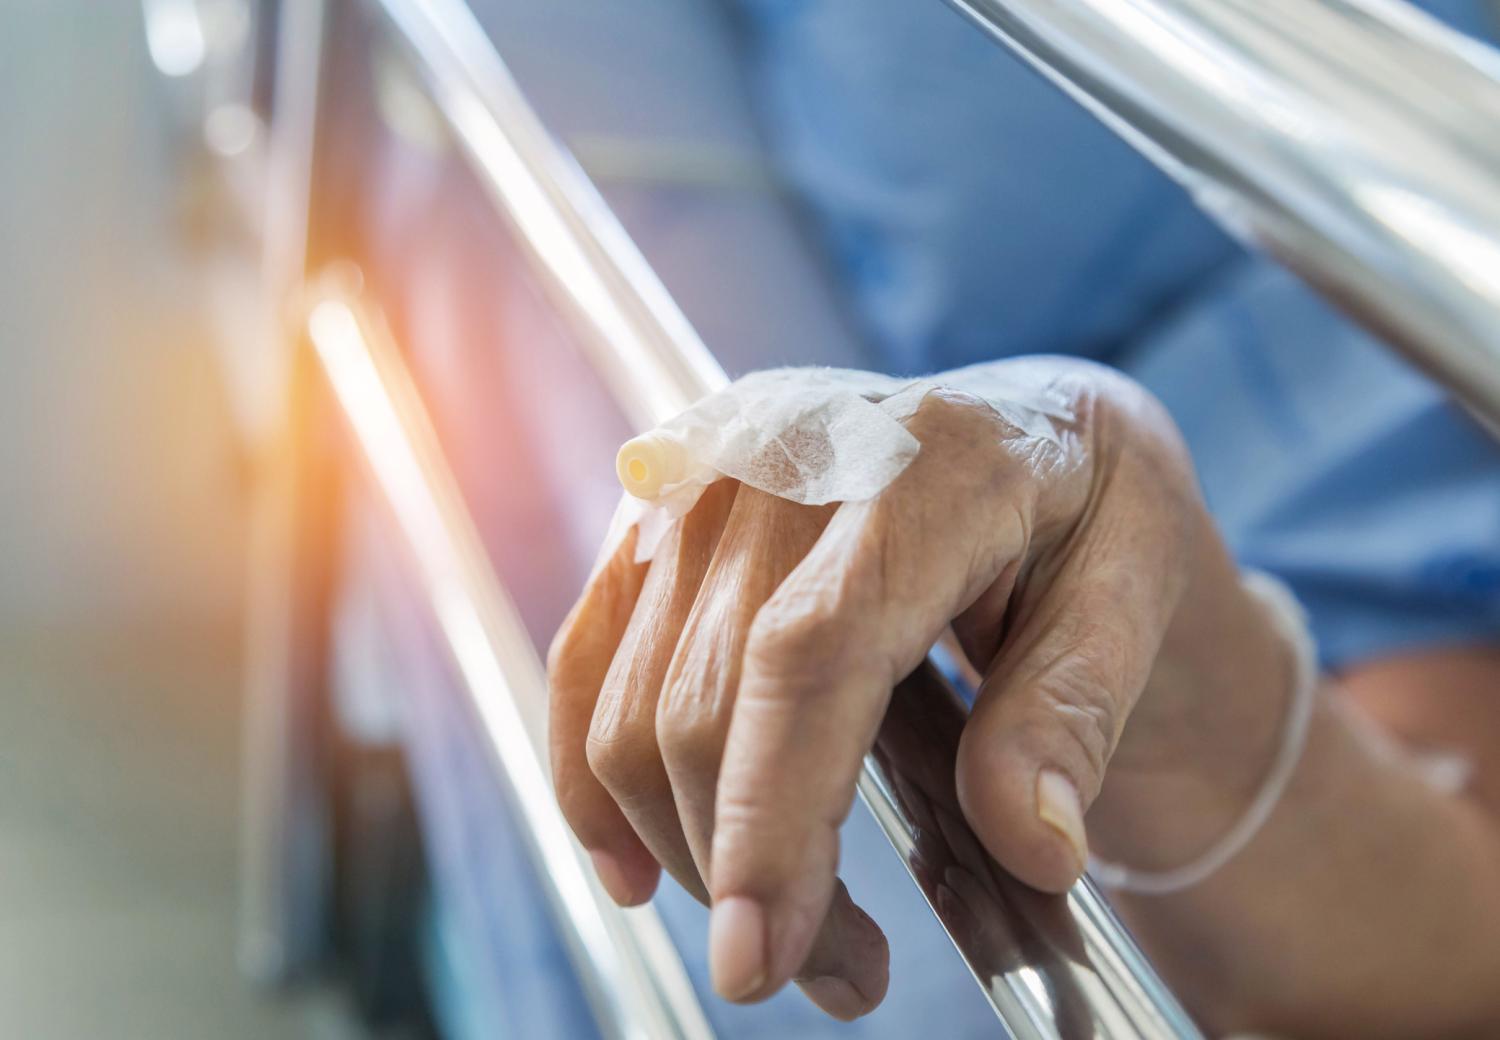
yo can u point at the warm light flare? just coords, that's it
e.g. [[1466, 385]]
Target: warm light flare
[[371, 396], [367, 402]]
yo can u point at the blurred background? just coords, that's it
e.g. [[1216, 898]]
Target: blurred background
[[169, 454], [122, 560]]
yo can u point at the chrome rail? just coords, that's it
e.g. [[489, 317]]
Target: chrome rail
[[276, 894], [1050, 966], [634, 979], [1353, 140]]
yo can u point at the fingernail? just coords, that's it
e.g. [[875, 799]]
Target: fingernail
[[836, 996], [612, 877], [1058, 806], [737, 947]]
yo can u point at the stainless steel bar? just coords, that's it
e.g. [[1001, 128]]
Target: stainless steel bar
[[274, 938], [1354, 140], [636, 983], [637, 338], [1050, 966]]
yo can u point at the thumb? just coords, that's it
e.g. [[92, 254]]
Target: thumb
[[1079, 650]]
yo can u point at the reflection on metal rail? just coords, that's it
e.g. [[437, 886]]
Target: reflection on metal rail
[[1352, 139], [1050, 966], [635, 981]]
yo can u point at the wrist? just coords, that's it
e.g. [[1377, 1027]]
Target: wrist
[[1206, 729]]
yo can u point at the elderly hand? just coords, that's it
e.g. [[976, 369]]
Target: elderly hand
[[710, 709]]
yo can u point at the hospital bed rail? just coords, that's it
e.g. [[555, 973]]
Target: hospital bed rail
[[1049, 966], [1401, 243], [629, 970], [1352, 140]]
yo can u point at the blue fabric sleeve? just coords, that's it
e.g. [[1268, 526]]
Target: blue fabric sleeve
[[1330, 462]]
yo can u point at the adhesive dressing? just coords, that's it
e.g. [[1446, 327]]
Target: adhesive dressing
[[809, 435]]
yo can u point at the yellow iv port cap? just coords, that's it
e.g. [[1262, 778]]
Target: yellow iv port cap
[[650, 462]]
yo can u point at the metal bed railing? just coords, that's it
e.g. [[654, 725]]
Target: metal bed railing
[[1354, 140], [1376, 181], [1041, 962], [629, 969], [280, 665]]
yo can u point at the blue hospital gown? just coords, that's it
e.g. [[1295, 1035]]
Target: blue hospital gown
[[974, 212], [965, 211]]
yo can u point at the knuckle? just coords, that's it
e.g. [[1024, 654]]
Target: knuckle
[[794, 645], [948, 411], [947, 404], [558, 655], [947, 419], [807, 638], [689, 741], [1086, 716], [554, 657], [758, 844], [739, 813], [621, 752], [574, 801]]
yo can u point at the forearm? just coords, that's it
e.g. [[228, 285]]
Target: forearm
[[1369, 903]]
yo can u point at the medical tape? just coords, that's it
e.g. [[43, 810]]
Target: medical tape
[[808, 435]]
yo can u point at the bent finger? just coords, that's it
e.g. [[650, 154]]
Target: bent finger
[[847, 970], [621, 746], [577, 662]]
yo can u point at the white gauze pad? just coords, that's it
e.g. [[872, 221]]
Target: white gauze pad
[[810, 435]]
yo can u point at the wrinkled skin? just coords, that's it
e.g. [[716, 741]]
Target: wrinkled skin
[[711, 708]]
